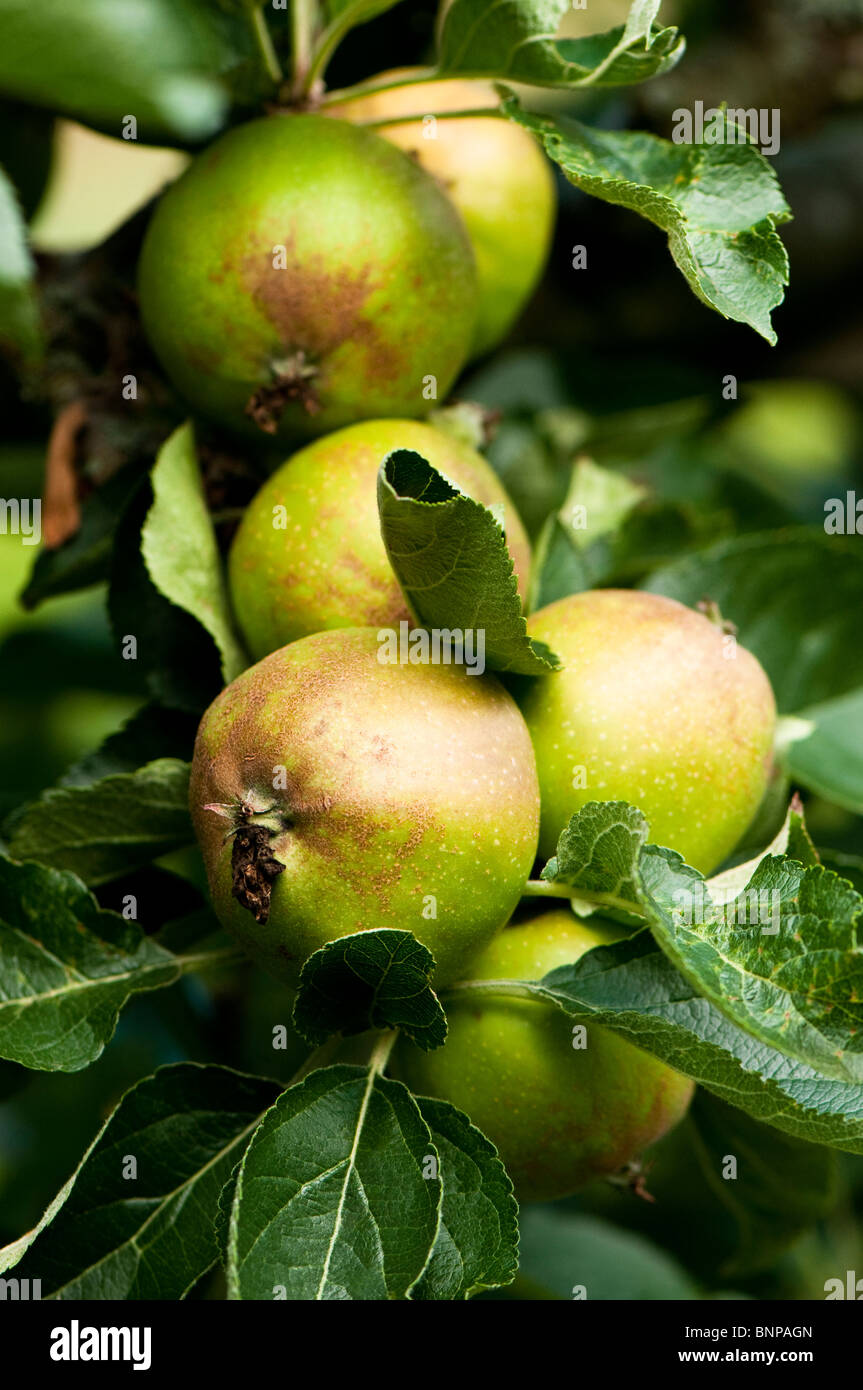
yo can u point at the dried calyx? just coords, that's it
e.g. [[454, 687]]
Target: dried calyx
[[254, 867], [292, 380]]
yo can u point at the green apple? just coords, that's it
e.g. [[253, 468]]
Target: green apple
[[304, 273], [332, 793], [563, 1105], [656, 706], [309, 554], [494, 172]]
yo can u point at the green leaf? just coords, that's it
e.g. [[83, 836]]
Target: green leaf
[[828, 759], [598, 502], [477, 1243], [110, 1235], [151, 733], [559, 567], [719, 206], [482, 38], [20, 328], [222, 1222], [674, 1022], [465, 421], [599, 856], [794, 597], [562, 1255], [180, 551], [573, 551], [800, 989], [612, 529], [598, 853], [778, 1187], [314, 1215], [66, 969], [101, 60], [449, 554], [177, 659], [792, 839], [85, 558], [779, 954], [630, 53], [847, 866], [109, 826], [372, 979]]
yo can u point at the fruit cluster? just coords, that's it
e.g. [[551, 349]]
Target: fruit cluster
[[311, 279]]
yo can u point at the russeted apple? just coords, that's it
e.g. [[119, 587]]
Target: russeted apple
[[303, 274], [563, 1107], [656, 706], [332, 792], [494, 172], [309, 555]]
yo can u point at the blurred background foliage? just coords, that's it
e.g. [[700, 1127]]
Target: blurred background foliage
[[619, 361]]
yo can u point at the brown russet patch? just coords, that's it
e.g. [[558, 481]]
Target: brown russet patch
[[316, 308], [311, 307], [382, 749]]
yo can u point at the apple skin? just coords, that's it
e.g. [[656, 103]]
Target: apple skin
[[559, 1116], [401, 782], [496, 175], [379, 289], [657, 714], [328, 568]]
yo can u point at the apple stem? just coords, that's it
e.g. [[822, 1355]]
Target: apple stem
[[265, 45], [539, 888], [200, 960], [363, 89], [321, 1057], [493, 113], [516, 988], [383, 1048], [304, 62]]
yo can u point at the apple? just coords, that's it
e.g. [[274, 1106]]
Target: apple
[[560, 1115], [656, 706], [494, 172], [332, 793], [303, 273], [309, 555]]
